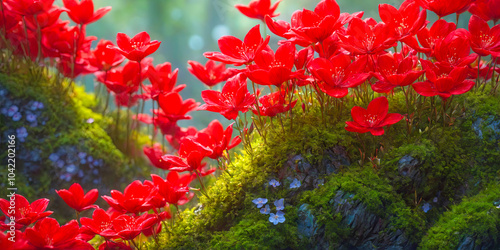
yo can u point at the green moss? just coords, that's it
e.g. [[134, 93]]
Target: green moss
[[475, 216]]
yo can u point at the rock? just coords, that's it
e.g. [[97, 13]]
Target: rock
[[409, 167], [490, 125], [306, 225]]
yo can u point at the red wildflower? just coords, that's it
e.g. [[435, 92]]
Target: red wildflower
[[19, 242], [176, 137], [44, 19], [114, 245], [395, 70], [234, 51], [443, 80], [191, 154], [123, 79], [174, 188], [48, 234], [454, 49], [128, 227], [273, 104], [163, 80], [373, 118], [217, 139], [136, 48], [82, 11], [367, 37], [486, 9], [154, 155], [101, 223], [338, 74], [211, 74], [233, 98], [428, 38], [303, 57], [134, 198], [444, 7], [273, 69], [25, 213], [77, 199], [28, 7], [126, 100], [105, 58], [258, 9], [174, 108], [406, 21], [484, 41], [279, 28]]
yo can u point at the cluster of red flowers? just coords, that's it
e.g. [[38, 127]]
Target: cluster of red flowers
[[353, 51], [29, 226]]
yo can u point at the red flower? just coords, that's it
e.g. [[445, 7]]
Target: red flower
[[28, 7], [303, 57], [136, 48], [174, 108], [82, 11], [233, 98], [211, 74], [162, 80], [126, 100], [128, 227], [273, 104], [191, 155], [443, 80], [486, 9], [217, 139], [372, 119], [175, 138], [406, 21], [279, 28], [395, 70], [234, 51], [122, 80], [174, 188], [105, 58], [455, 49], [338, 74], [134, 198], [444, 7], [44, 19], [19, 242], [273, 69], [430, 37], [77, 199], [367, 37], [154, 155], [258, 9], [101, 223], [25, 213], [47, 234], [484, 41]]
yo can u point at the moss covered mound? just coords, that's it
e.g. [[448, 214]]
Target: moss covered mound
[[60, 140], [409, 195]]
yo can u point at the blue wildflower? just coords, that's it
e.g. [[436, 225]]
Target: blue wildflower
[[30, 117], [280, 204], [53, 157], [4, 111], [36, 105], [60, 163], [295, 183], [83, 161], [12, 110], [95, 172], [71, 168], [265, 210], [279, 217], [17, 116], [22, 133], [260, 202], [82, 155], [274, 183], [426, 207], [90, 158]]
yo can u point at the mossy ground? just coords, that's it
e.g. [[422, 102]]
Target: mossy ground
[[454, 163], [67, 109]]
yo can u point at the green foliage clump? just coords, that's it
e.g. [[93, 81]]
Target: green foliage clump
[[475, 217]]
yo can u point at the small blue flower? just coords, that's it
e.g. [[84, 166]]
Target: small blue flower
[[30, 117], [53, 157], [95, 172], [96, 163], [426, 207], [17, 116], [274, 183], [22, 132], [260, 202], [36, 105], [83, 161], [90, 158], [295, 183], [279, 217], [12, 110], [82, 155], [71, 168], [265, 210], [280, 204], [60, 163], [4, 111]]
